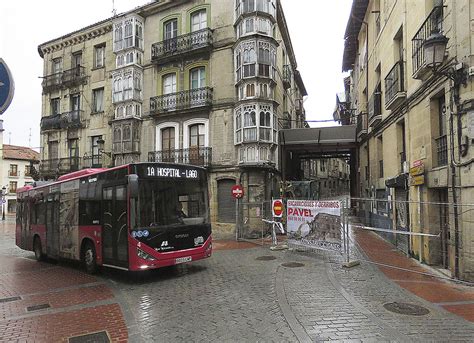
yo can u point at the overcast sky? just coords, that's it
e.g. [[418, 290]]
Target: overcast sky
[[316, 28]]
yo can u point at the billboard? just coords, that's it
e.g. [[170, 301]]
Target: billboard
[[315, 224]]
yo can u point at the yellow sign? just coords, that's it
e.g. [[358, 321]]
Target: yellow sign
[[418, 170], [417, 180]]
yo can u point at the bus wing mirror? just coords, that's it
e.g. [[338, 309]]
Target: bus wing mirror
[[133, 185]]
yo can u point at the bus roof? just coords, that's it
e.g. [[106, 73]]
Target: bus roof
[[83, 172]]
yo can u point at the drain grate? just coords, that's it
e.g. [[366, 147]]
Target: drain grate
[[405, 308], [292, 264], [5, 300], [97, 337], [37, 307], [266, 258]]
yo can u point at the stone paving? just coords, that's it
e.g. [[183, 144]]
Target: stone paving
[[231, 297]]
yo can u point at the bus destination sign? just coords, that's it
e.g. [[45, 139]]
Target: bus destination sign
[[170, 172]]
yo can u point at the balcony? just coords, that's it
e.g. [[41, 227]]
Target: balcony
[[195, 156], [92, 161], [68, 78], [361, 125], [395, 86], [59, 166], [68, 120], [287, 74], [442, 150], [185, 100], [375, 108], [191, 43], [434, 21]]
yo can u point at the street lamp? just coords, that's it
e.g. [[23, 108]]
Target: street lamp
[[4, 191], [434, 49]]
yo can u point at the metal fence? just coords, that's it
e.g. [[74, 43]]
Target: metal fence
[[250, 224]]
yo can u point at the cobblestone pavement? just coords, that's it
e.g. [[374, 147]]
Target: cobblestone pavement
[[232, 297]]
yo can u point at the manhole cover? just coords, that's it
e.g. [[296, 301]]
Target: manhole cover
[[98, 337], [265, 258], [408, 309], [37, 307], [292, 264]]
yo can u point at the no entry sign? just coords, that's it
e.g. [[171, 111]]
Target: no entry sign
[[277, 208], [237, 191]]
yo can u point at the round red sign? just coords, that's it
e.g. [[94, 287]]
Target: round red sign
[[237, 191], [277, 208]]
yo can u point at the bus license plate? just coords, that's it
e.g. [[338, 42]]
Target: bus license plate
[[183, 259]]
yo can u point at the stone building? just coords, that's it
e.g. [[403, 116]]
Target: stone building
[[415, 119], [205, 82]]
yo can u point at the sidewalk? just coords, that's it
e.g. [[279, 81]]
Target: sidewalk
[[455, 298]]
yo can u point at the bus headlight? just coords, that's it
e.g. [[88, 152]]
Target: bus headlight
[[144, 255]]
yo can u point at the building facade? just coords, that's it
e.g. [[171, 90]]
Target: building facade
[[204, 82], [17, 171], [414, 121]]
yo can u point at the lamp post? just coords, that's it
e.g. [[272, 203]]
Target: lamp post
[[4, 191], [434, 49]]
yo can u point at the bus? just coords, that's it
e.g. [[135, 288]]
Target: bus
[[132, 217]]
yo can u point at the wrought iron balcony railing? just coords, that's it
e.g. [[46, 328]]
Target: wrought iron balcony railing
[[68, 120], [395, 85], [375, 108], [434, 21], [361, 125], [68, 78], [188, 43], [442, 150], [196, 156], [59, 166], [287, 76], [185, 100], [92, 161]]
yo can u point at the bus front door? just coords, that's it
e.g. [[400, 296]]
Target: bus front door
[[52, 225], [115, 226]]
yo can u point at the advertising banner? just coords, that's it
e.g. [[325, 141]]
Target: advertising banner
[[315, 224]]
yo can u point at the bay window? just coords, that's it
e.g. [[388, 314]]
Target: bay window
[[255, 123]]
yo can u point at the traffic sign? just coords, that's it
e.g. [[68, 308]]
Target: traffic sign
[[277, 208], [7, 87], [237, 191]]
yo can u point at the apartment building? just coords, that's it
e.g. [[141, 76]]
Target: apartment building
[[332, 176], [411, 94], [205, 82]]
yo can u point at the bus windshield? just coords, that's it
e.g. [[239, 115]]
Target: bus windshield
[[170, 203]]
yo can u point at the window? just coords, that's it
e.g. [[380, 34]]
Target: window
[[13, 186], [99, 56], [167, 139], [265, 126], [76, 59], [128, 88], [171, 29], [56, 66], [13, 170], [238, 126], [117, 96], [250, 90], [169, 83], [198, 20], [249, 61], [128, 34], [28, 170], [198, 78], [98, 100], [55, 106], [73, 147], [75, 102], [96, 150], [196, 134], [250, 125], [138, 36], [264, 60], [118, 33], [249, 25]]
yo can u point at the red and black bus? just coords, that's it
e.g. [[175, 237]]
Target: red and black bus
[[132, 217]]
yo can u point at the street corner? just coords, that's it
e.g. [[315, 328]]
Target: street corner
[[46, 302]]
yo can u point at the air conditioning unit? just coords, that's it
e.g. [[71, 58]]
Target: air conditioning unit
[[406, 167]]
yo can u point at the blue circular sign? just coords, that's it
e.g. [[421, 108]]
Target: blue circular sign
[[146, 233], [7, 86], [134, 234]]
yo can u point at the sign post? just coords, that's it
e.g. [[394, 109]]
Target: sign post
[[7, 86], [237, 193]]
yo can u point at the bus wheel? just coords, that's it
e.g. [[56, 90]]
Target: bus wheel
[[39, 256], [89, 258]]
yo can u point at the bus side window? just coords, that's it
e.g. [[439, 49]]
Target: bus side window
[[40, 209], [89, 212]]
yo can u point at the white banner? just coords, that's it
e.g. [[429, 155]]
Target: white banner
[[314, 223]]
